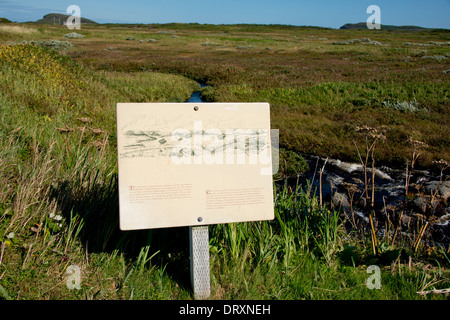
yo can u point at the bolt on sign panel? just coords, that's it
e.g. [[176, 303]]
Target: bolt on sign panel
[[187, 164]]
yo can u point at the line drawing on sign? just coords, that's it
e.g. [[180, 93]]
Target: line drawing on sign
[[145, 144], [199, 144]]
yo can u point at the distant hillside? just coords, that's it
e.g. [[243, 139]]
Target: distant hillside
[[60, 19], [4, 20], [363, 26]]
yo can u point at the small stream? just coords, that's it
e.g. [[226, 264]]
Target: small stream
[[389, 182], [196, 96], [389, 193]]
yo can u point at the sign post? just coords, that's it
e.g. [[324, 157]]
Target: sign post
[[199, 252], [194, 165]]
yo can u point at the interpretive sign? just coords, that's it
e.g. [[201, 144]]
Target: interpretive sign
[[187, 164]]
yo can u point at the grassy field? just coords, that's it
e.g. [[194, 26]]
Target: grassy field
[[58, 166]]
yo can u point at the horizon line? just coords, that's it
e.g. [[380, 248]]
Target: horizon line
[[229, 24]]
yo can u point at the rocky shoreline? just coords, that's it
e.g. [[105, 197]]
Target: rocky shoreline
[[427, 200]]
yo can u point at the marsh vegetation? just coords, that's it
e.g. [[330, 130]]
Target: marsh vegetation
[[376, 103]]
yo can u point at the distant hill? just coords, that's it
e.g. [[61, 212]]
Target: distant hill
[[60, 19], [363, 26], [4, 20]]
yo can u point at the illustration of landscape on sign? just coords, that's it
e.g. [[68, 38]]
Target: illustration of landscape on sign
[[139, 143], [149, 144]]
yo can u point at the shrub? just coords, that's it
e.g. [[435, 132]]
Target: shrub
[[73, 35], [51, 44], [412, 106]]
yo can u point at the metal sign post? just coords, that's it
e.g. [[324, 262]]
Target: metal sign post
[[199, 252]]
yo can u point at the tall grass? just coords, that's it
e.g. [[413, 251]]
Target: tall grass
[[58, 163], [305, 253], [300, 226]]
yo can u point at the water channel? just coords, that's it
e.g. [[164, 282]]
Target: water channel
[[196, 96]]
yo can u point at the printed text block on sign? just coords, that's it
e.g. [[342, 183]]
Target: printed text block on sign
[[186, 164]]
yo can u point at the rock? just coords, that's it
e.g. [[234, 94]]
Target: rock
[[407, 220], [208, 43], [361, 202], [340, 200], [436, 57], [441, 229], [363, 40], [443, 189], [438, 208], [375, 43], [420, 203], [245, 47], [446, 71], [416, 44], [341, 42], [424, 205]]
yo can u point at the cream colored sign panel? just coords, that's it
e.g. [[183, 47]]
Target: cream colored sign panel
[[187, 164]]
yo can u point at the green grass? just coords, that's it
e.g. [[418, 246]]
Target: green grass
[[58, 170], [305, 253], [327, 115]]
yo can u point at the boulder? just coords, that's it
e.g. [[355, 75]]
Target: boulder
[[420, 204], [442, 188], [340, 200]]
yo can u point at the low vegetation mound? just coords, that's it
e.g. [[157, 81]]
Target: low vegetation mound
[[60, 19]]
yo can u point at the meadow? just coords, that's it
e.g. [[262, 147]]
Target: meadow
[[58, 157]]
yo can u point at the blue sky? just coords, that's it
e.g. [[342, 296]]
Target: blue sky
[[325, 13]]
